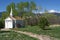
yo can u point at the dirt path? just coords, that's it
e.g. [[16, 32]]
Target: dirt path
[[40, 37]]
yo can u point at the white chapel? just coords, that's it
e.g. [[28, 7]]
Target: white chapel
[[10, 22]]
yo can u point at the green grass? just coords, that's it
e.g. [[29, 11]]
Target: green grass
[[54, 32], [10, 35]]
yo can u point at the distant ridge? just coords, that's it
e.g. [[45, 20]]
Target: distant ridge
[[0, 14], [55, 13]]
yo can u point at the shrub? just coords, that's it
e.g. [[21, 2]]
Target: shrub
[[1, 23], [43, 23], [32, 21]]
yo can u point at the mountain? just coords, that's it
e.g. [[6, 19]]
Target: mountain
[[57, 14], [0, 14]]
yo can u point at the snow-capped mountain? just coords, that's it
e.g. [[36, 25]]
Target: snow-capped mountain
[[53, 11]]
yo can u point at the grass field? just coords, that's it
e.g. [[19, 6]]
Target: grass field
[[54, 32], [10, 35]]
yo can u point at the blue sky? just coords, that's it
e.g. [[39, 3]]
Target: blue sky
[[45, 4]]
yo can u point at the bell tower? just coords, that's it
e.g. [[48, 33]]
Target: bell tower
[[11, 15]]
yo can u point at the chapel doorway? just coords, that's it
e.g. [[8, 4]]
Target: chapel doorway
[[14, 23]]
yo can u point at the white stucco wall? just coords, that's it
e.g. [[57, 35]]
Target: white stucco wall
[[8, 23]]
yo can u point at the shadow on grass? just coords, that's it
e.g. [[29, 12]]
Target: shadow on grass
[[4, 31], [47, 29]]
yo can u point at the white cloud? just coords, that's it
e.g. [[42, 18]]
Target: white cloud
[[41, 12], [51, 11]]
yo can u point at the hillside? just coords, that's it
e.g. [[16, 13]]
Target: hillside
[[0, 14]]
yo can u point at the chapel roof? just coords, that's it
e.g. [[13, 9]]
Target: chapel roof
[[18, 18]]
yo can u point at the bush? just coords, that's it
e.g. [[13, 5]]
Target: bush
[[32, 21], [1, 23], [43, 23]]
